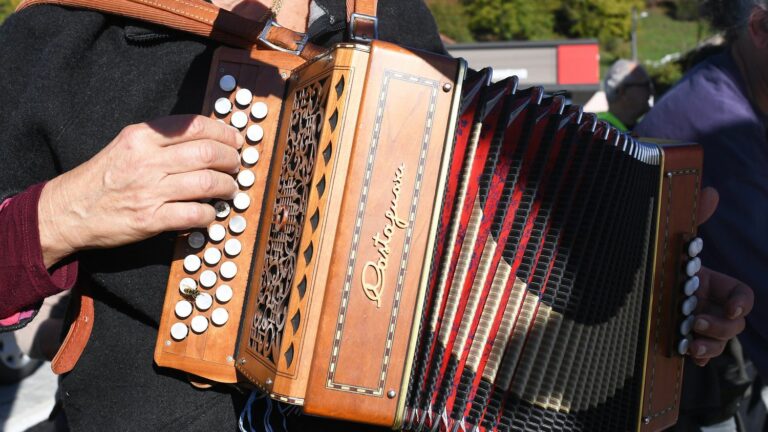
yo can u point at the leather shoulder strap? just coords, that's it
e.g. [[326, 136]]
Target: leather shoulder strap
[[363, 25], [200, 18]]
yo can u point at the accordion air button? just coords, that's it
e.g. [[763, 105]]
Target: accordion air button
[[217, 232], [682, 346], [242, 201], [693, 267], [227, 83], [239, 119], [691, 286], [689, 305], [228, 270], [220, 316], [250, 156], [208, 278], [196, 240], [687, 325], [246, 178], [179, 331], [224, 293], [243, 97], [187, 284], [183, 309], [212, 256], [695, 247], [204, 301], [222, 209], [222, 106], [259, 110], [237, 224], [254, 133], [199, 324], [233, 247], [192, 263]]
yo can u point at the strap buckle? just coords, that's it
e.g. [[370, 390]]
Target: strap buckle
[[300, 44], [353, 27]]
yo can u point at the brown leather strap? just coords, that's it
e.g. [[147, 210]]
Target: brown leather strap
[[361, 20], [200, 18], [79, 331]]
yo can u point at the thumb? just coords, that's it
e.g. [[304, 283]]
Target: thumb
[[707, 204]]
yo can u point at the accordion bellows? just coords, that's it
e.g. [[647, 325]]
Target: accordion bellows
[[426, 250]]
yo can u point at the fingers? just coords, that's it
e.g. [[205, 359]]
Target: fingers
[[736, 298], [707, 204], [182, 128], [199, 155], [179, 216], [198, 185], [717, 328], [703, 349]]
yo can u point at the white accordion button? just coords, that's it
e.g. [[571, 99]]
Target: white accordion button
[[695, 247], [689, 305], [693, 267], [196, 240], [228, 270], [219, 316], [183, 309], [217, 232], [691, 286], [212, 256], [192, 263], [179, 331], [203, 301], [687, 325], [237, 224], [243, 97], [242, 201], [250, 156], [259, 110], [246, 178], [222, 209], [187, 284], [224, 293], [682, 346], [233, 247], [208, 278], [239, 119], [227, 83], [255, 133], [199, 324], [222, 106]]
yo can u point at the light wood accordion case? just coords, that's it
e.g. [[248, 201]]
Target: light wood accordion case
[[416, 247]]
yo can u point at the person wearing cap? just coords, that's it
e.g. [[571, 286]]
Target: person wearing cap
[[629, 91]]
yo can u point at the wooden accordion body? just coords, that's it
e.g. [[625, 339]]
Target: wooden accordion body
[[425, 250]]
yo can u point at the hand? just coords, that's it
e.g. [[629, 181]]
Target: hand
[[149, 179], [723, 301]]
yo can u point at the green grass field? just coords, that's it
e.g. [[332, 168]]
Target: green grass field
[[659, 35]]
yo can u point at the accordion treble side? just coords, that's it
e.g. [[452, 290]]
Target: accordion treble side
[[421, 248]]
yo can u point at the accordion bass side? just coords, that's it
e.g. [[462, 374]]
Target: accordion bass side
[[418, 248]]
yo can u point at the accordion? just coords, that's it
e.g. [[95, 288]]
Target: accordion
[[418, 248]]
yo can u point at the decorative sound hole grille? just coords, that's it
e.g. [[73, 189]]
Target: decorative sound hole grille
[[289, 212]]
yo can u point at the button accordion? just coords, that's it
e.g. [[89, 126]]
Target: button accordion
[[418, 248]]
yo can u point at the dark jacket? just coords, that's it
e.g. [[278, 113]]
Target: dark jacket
[[70, 80]]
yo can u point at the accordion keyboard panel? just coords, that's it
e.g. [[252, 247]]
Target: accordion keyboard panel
[[210, 272]]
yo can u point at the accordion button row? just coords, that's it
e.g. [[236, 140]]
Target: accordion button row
[[691, 285]]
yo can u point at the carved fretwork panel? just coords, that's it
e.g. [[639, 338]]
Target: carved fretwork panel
[[282, 251]]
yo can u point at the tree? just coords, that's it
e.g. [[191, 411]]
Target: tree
[[451, 20], [601, 19], [511, 19], [7, 7]]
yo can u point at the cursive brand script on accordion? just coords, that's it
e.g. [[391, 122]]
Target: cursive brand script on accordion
[[373, 271]]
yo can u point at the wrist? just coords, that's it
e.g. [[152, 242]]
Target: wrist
[[54, 224]]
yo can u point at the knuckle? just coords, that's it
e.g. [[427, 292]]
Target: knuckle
[[197, 126], [207, 182], [206, 154]]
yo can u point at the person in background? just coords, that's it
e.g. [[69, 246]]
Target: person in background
[[722, 104], [629, 91]]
